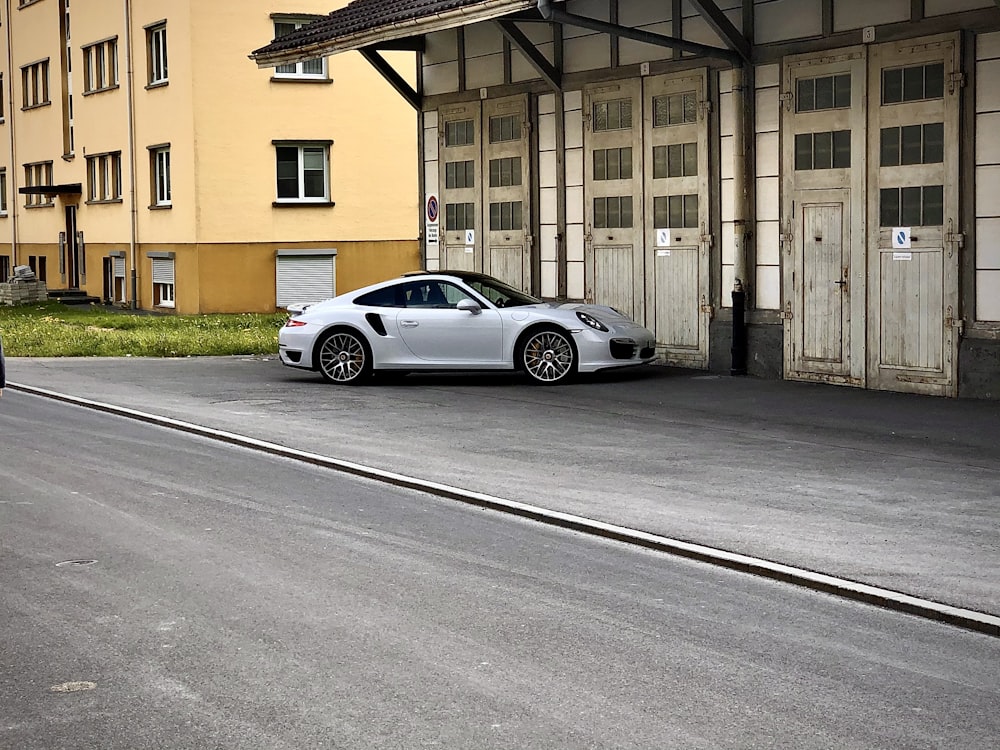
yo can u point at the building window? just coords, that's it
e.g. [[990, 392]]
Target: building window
[[676, 212], [614, 212], [35, 84], [159, 169], [460, 174], [3, 191], [309, 69], [302, 173], [830, 150], [38, 266], [824, 92], [505, 215], [913, 144], [676, 109], [912, 206], [156, 54], [34, 176], [100, 66], [675, 160], [613, 115], [4, 269], [163, 282], [613, 163], [459, 133], [505, 172], [913, 83], [459, 216], [505, 128], [104, 177], [1, 98]]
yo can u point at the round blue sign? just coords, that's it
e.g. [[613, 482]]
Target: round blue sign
[[432, 209]]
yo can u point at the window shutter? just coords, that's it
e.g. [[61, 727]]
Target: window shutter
[[119, 265], [163, 271], [305, 279]]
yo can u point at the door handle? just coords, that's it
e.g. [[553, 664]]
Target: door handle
[[408, 324], [841, 284]]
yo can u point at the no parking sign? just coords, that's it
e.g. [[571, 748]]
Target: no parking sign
[[432, 209]]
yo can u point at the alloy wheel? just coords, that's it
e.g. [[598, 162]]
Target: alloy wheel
[[548, 357]]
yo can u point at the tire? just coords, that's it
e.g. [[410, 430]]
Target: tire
[[344, 357], [547, 356]]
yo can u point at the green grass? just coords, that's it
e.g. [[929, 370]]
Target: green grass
[[50, 329]]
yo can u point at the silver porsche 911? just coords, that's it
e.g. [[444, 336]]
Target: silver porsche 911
[[457, 320]]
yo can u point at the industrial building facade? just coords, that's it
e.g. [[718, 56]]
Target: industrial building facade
[[146, 162], [836, 163]]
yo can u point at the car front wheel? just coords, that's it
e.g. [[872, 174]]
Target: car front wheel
[[547, 356], [343, 357]]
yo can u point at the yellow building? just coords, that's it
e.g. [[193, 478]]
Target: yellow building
[[146, 161]]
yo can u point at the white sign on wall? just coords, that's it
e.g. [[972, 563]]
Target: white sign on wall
[[663, 238], [432, 232], [470, 236], [900, 238]]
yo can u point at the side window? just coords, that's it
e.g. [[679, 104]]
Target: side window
[[432, 294], [390, 296]]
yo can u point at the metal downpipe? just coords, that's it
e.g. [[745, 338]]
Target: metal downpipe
[[739, 343]]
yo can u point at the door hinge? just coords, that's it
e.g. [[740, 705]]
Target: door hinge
[[707, 308], [785, 238], [786, 314], [956, 81], [705, 108], [957, 237], [787, 97], [951, 322]]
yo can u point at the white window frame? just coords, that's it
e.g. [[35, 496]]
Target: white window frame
[[35, 84], [104, 177], [100, 66], [2, 117], [156, 52], [297, 71], [164, 281], [302, 147], [39, 173], [159, 170]]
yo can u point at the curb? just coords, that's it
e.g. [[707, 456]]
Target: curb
[[896, 601]]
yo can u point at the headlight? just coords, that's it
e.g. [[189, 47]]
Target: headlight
[[590, 320]]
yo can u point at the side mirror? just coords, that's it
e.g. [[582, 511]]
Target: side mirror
[[469, 306]]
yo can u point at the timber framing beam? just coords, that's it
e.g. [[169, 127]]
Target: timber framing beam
[[520, 41], [555, 15], [394, 79], [721, 25]]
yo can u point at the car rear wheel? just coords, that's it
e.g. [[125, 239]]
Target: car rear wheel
[[344, 357], [547, 356]]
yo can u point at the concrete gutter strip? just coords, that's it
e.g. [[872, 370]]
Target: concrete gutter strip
[[886, 598]]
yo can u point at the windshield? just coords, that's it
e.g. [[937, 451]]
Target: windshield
[[499, 293]]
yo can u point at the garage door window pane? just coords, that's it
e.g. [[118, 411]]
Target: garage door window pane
[[911, 207], [933, 143], [889, 207], [910, 146], [933, 205]]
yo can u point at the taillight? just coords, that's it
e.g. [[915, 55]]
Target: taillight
[[294, 323]]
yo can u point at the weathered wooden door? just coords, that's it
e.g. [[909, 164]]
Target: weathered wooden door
[[612, 197], [676, 216], [508, 190], [824, 162], [913, 291], [460, 178]]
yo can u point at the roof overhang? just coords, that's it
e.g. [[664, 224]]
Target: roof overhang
[[277, 53], [75, 188]]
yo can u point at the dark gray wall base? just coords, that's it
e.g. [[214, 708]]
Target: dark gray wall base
[[765, 348], [979, 369]]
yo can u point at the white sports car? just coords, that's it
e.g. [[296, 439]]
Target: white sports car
[[457, 320]]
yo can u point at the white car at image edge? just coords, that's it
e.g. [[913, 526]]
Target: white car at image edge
[[457, 320]]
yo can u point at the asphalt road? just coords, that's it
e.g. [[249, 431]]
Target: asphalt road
[[892, 490], [241, 601]]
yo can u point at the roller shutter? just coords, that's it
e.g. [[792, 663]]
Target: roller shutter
[[305, 278]]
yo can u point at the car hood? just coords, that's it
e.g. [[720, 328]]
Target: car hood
[[605, 314]]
